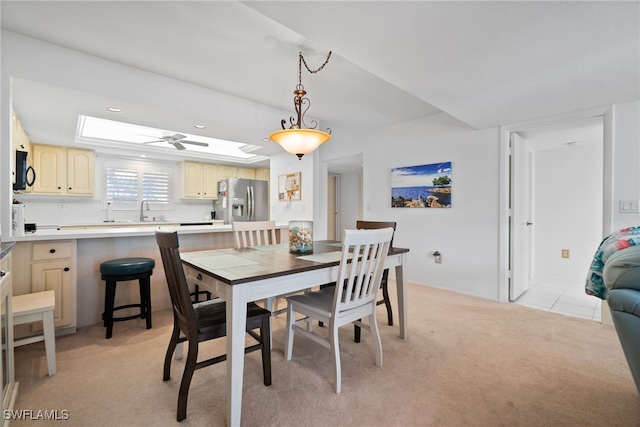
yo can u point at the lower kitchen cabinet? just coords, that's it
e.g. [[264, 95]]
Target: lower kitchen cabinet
[[48, 266]]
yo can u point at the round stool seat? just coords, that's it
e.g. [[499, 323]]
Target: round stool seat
[[127, 266]]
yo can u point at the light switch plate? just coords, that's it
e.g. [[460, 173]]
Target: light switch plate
[[629, 206]]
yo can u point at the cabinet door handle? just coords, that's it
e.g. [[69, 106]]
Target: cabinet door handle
[[199, 277], [2, 273], [69, 188], [52, 251], [67, 269]]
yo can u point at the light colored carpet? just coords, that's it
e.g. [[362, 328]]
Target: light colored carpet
[[467, 362]]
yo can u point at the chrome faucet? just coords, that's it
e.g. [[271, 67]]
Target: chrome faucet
[[142, 215]]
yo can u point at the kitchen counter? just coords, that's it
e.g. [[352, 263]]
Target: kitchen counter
[[122, 229], [5, 248], [91, 232]]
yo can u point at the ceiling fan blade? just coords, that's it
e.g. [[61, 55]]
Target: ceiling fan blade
[[179, 146], [201, 144], [151, 142], [177, 136]]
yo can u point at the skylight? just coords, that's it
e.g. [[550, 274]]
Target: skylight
[[111, 133]]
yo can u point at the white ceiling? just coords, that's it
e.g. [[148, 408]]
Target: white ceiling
[[485, 63]]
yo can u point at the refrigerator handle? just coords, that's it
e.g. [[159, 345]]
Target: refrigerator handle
[[249, 204], [253, 205]]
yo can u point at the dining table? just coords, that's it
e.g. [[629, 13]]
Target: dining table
[[242, 275]]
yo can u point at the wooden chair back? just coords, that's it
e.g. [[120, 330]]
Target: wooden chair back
[[184, 314], [372, 225], [252, 233]]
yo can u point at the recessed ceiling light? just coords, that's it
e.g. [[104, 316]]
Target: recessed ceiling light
[[199, 126], [265, 139], [114, 109]]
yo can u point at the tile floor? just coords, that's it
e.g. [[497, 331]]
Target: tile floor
[[563, 297]]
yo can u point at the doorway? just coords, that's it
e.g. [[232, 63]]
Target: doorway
[[556, 214], [333, 192]]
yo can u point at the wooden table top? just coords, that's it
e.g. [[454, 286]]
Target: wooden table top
[[235, 266]]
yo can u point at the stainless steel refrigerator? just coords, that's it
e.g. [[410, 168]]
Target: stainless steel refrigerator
[[242, 200]]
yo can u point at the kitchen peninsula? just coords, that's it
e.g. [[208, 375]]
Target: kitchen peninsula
[[70, 256]]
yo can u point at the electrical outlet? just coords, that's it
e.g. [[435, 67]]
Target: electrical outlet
[[565, 253]]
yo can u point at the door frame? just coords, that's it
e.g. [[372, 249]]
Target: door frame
[[505, 225]]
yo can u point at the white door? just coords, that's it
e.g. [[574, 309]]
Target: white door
[[521, 219], [332, 208]]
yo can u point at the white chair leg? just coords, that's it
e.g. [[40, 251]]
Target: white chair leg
[[288, 341], [377, 343], [49, 341], [335, 348]]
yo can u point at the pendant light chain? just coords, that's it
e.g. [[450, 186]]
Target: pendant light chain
[[302, 60]]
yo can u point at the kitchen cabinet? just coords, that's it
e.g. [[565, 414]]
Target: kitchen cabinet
[[48, 266], [80, 171], [246, 173], [19, 138], [262, 174], [199, 180], [226, 172], [19, 142], [7, 362], [62, 170]]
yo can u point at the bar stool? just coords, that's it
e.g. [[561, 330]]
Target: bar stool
[[37, 307], [120, 270]]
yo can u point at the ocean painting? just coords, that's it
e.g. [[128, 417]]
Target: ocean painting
[[424, 186]]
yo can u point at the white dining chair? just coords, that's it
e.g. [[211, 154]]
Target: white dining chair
[[256, 233], [252, 233], [354, 298]]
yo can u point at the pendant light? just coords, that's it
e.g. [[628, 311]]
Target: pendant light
[[296, 139]]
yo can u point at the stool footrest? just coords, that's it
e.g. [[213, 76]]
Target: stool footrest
[[28, 340]]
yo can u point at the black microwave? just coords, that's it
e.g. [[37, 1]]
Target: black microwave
[[23, 172]]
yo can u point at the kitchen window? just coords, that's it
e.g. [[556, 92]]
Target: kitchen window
[[127, 184]]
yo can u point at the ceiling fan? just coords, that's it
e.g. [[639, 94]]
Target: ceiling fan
[[177, 140]]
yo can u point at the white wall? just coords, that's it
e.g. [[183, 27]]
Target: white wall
[[567, 210], [466, 234], [350, 200], [469, 235], [285, 211], [625, 173]]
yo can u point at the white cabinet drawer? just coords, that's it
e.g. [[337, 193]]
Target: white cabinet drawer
[[197, 278], [52, 250]]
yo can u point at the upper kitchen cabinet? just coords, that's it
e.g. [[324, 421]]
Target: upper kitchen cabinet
[[199, 180], [19, 142], [62, 170], [246, 173], [262, 174], [80, 171], [226, 172]]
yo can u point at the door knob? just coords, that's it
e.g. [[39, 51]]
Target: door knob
[[529, 223]]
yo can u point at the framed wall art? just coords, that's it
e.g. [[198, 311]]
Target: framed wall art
[[289, 186], [424, 186]]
